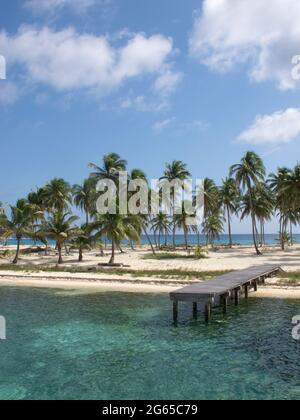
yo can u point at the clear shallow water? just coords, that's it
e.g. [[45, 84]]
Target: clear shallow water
[[193, 240], [62, 345]]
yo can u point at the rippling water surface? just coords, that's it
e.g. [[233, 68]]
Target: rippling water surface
[[66, 345]]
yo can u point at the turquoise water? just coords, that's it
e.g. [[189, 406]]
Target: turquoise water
[[65, 345], [193, 240]]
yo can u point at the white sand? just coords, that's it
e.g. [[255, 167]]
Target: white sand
[[224, 259]]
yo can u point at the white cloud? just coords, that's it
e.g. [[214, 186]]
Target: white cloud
[[167, 82], [280, 127], [67, 60], [263, 35], [162, 125], [45, 6]]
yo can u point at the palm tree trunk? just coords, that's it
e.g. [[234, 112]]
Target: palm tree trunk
[[186, 239], [112, 259], [16, 259], [87, 218], [149, 240], [254, 228], [291, 233], [60, 259], [80, 257], [229, 228], [159, 235]]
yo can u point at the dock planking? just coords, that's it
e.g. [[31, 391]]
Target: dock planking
[[221, 288]]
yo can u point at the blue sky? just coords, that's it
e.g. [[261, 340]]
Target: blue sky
[[151, 80]]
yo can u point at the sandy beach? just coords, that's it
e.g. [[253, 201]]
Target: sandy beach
[[138, 260]]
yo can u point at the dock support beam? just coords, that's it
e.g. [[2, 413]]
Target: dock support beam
[[208, 310], [224, 300], [195, 310], [175, 311], [237, 297], [246, 291], [255, 286]]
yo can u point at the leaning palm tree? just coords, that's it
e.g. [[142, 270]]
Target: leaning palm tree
[[229, 197], [85, 197], [177, 170], [248, 174], [111, 166], [19, 225], [59, 227]]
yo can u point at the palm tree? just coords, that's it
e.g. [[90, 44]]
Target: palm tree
[[281, 185], [161, 224], [182, 222], [57, 195], [248, 174], [112, 165], [229, 196], [116, 227], [177, 170], [59, 227], [85, 197], [83, 241], [213, 227], [19, 225]]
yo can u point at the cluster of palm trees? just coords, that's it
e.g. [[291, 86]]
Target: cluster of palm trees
[[46, 214]]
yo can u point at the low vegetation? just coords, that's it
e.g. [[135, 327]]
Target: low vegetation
[[163, 274]]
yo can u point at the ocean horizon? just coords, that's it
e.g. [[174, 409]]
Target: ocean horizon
[[238, 239]]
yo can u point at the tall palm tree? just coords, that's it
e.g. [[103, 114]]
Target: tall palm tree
[[85, 197], [161, 224], [177, 170], [281, 185], [111, 166], [19, 225], [182, 222], [60, 227], [248, 174], [229, 196], [57, 195]]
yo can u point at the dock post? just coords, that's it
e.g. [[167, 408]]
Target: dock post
[[246, 291], [208, 312], [225, 304], [255, 286], [237, 297], [195, 310], [175, 311]]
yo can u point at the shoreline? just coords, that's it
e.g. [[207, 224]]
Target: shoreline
[[127, 286]]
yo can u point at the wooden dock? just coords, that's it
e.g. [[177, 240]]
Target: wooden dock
[[219, 291]]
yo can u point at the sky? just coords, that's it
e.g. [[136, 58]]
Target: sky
[[153, 80]]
